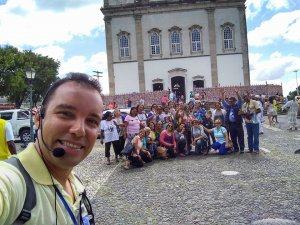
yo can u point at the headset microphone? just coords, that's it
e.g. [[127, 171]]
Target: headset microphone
[[58, 152]]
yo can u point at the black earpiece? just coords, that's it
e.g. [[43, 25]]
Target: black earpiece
[[42, 113]]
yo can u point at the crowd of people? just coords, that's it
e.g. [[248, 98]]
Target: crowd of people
[[170, 129], [203, 94]]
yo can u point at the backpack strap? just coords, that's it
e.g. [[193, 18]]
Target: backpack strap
[[30, 199], [87, 205]]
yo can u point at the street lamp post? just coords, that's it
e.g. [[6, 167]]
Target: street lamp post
[[296, 71], [30, 74]]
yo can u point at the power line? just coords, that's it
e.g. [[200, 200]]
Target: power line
[[97, 74]]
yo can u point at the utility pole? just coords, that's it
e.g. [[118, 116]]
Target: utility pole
[[97, 74]]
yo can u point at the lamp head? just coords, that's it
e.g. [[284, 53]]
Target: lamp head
[[30, 73]]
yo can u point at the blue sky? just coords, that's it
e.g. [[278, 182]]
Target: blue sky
[[72, 31]]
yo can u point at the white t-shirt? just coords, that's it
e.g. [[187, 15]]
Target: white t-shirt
[[110, 130], [9, 132]]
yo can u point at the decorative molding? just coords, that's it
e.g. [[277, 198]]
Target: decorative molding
[[177, 70], [195, 26], [107, 19], [227, 24], [154, 30], [198, 77], [157, 80], [123, 33], [137, 16], [175, 28]]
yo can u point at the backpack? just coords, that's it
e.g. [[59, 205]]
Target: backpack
[[30, 199]]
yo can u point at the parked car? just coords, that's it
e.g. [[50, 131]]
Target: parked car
[[124, 112], [20, 122]]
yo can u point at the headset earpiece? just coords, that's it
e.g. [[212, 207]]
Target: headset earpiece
[[42, 113]]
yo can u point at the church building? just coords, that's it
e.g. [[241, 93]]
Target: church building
[[175, 44]]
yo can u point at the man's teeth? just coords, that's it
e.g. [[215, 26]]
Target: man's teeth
[[68, 144]]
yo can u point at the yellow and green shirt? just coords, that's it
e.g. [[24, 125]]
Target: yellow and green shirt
[[13, 192], [4, 150]]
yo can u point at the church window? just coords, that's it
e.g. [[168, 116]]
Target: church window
[[175, 40], [228, 37], [196, 39], [124, 46], [155, 42]]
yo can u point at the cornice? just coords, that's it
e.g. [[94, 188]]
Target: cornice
[[146, 7]]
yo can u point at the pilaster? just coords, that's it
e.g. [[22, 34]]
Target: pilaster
[[140, 51], [212, 46], [109, 53]]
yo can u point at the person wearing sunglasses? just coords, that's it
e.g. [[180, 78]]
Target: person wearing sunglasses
[[221, 135]]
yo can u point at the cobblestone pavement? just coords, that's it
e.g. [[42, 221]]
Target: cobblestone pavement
[[194, 189]]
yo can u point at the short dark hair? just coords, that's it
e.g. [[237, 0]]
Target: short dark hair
[[232, 99], [80, 78]]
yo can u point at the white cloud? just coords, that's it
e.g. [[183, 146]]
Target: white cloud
[[253, 7], [44, 27], [59, 5], [52, 51], [276, 69], [277, 4], [82, 64], [280, 26]]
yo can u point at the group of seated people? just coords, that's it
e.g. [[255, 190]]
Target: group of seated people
[[165, 132]]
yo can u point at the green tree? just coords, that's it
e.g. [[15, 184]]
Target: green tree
[[294, 93], [13, 82]]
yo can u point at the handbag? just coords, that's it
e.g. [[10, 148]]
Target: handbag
[[162, 152], [128, 148]]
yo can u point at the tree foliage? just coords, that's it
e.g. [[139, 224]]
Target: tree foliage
[[292, 94], [13, 82]]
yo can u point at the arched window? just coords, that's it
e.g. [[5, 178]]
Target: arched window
[[124, 44], [175, 40], [155, 43], [196, 39], [228, 37]]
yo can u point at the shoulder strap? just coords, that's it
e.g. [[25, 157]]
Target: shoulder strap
[[30, 199]]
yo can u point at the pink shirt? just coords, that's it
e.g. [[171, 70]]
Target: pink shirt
[[133, 124], [164, 99]]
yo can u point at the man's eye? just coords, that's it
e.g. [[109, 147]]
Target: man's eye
[[66, 113], [93, 122]]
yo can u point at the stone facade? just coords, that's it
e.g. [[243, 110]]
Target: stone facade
[[176, 44]]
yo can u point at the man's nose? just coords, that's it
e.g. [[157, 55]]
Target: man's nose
[[78, 127]]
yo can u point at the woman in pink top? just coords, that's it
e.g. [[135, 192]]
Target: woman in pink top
[[139, 155], [167, 139], [132, 124]]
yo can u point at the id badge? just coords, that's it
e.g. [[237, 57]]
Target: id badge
[[86, 220]]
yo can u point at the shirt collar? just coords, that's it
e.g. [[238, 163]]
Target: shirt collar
[[35, 166]]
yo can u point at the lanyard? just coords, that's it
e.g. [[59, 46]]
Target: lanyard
[[66, 205]]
